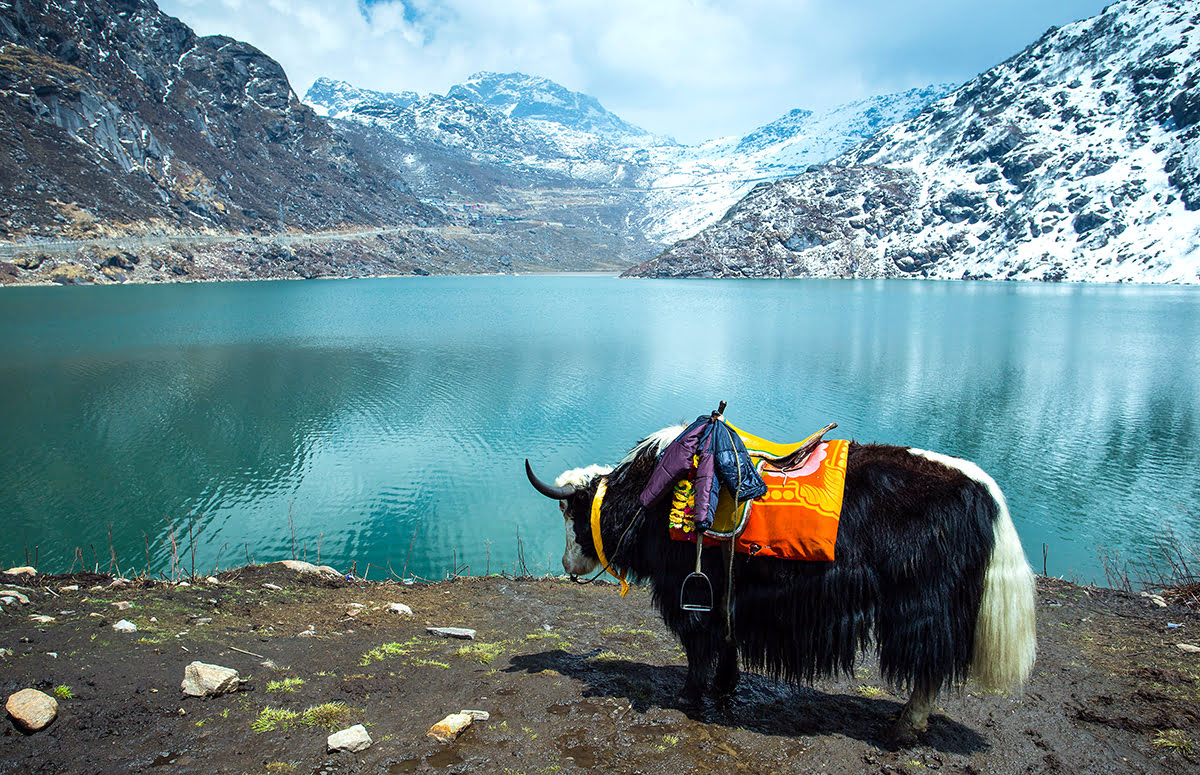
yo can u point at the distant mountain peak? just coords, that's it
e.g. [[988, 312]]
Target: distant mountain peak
[[536, 98]]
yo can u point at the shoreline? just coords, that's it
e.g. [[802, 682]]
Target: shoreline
[[573, 677]]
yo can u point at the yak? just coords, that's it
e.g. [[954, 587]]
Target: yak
[[928, 570]]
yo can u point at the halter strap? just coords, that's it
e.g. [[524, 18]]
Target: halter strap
[[598, 541]]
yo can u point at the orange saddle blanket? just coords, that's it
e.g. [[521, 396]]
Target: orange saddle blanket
[[798, 517]]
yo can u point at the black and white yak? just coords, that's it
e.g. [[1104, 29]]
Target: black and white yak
[[928, 568]]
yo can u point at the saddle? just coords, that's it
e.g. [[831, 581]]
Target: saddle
[[798, 517]]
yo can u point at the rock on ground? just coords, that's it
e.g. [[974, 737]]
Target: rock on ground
[[204, 680], [300, 566], [448, 729], [125, 626], [31, 710], [399, 608], [353, 739], [462, 633]]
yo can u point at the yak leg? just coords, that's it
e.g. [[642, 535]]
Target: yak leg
[[914, 716], [728, 674], [700, 647]]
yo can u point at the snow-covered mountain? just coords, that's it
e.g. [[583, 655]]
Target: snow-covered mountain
[[696, 186], [519, 133], [339, 99], [539, 99], [1076, 159]]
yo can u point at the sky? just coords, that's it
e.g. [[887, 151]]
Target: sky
[[689, 69]]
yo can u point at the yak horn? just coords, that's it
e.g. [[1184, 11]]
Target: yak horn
[[557, 493]]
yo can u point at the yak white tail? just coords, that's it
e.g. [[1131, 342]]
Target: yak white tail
[[1005, 638]]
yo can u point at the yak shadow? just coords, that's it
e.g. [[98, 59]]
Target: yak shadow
[[760, 704]]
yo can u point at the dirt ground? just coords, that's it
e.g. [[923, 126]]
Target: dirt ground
[[576, 679]]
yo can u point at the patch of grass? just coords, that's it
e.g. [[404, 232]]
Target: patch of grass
[[63, 692], [671, 740], [421, 662], [388, 650], [330, 715], [483, 653], [285, 685], [867, 690], [270, 718], [280, 767], [1175, 740], [608, 656]]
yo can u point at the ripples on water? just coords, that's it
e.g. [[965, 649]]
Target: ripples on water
[[359, 414]]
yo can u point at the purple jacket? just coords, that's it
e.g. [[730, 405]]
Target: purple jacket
[[722, 459]]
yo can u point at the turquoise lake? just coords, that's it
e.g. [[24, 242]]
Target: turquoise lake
[[384, 422]]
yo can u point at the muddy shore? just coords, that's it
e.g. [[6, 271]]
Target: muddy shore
[[575, 679]]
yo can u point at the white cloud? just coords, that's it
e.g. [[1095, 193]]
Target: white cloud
[[690, 68]]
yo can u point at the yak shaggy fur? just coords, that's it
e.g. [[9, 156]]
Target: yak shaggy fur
[[929, 572]]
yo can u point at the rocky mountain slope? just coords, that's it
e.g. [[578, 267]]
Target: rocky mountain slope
[[1076, 159], [518, 145], [120, 119], [694, 187]]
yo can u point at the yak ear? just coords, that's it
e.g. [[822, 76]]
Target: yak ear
[[550, 491]]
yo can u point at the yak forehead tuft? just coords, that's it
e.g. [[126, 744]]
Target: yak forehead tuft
[[656, 442], [579, 477]]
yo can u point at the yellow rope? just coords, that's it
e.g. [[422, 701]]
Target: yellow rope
[[598, 541]]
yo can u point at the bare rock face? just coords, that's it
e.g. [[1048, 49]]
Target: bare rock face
[[204, 680], [31, 710]]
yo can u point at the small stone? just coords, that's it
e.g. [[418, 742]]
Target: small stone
[[13, 596], [310, 633], [202, 620], [69, 588], [118, 583], [204, 680], [212, 580], [31, 710], [354, 739], [269, 664], [183, 584], [1155, 599], [125, 626], [462, 633], [22, 570], [273, 587], [42, 618], [123, 605], [477, 715], [154, 618], [399, 608], [52, 654], [448, 729], [352, 612], [1188, 648]]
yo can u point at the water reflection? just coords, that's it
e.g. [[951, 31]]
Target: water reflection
[[360, 418]]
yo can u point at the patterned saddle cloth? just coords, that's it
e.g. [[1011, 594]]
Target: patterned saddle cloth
[[798, 517]]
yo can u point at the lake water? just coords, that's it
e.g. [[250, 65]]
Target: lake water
[[384, 422]]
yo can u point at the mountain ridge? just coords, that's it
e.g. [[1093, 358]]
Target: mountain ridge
[[1075, 159]]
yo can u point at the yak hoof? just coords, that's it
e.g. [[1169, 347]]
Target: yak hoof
[[691, 697], [905, 733]]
